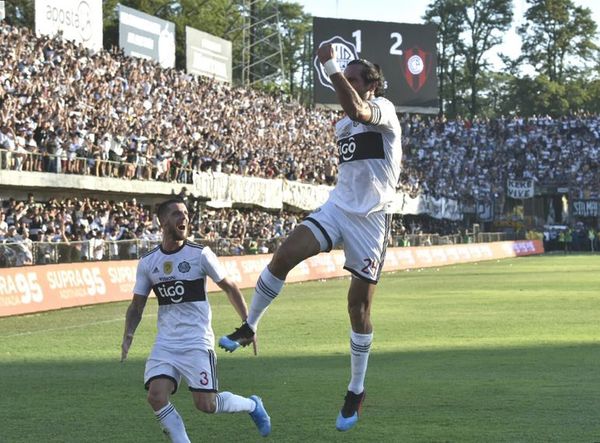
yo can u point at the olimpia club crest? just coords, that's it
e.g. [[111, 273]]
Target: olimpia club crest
[[416, 66], [344, 52], [184, 267]]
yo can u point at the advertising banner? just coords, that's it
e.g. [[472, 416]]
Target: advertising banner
[[519, 188], [207, 55], [145, 36], [586, 208], [77, 20], [406, 53], [485, 211], [32, 289]]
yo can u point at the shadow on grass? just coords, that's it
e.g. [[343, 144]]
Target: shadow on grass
[[528, 394]]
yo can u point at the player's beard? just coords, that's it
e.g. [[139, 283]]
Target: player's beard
[[178, 234]]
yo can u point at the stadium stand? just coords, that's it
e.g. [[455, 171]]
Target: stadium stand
[[472, 160], [73, 229], [64, 110], [77, 229]]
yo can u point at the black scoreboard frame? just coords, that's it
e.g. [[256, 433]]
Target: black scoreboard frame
[[406, 53]]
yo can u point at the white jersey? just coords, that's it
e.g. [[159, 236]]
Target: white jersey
[[179, 281], [369, 160]]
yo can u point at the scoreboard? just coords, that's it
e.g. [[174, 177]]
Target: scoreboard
[[405, 52]]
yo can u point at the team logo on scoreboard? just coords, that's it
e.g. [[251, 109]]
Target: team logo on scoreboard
[[344, 53], [416, 66]]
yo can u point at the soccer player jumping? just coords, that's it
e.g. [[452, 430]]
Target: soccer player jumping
[[357, 215]]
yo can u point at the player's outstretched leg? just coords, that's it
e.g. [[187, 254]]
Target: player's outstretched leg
[[242, 336], [348, 416], [260, 417]]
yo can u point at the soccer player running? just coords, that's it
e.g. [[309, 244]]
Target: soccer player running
[[184, 348], [355, 215]]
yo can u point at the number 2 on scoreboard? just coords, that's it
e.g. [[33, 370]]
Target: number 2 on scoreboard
[[394, 48]]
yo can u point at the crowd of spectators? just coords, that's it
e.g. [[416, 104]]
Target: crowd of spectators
[[75, 229], [471, 160], [82, 227], [97, 229], [110, 115], [66, 110]]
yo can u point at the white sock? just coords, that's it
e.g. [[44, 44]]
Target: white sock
[[229, 402], [267, 288], [172, 424], [360, 346]]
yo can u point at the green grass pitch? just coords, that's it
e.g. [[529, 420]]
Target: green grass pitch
[[499, 351]]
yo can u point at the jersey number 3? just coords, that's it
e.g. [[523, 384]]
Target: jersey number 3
[[203, 378]]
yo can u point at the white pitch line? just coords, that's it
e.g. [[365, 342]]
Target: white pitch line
[[66, 328]]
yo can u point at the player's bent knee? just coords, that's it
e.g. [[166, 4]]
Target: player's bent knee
[[300, 245], [157, 400], [281, 264], [208, 406], [285, 259]]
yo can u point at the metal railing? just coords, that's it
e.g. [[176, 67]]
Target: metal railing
[[454, 239], [93, 165], [40, 253]]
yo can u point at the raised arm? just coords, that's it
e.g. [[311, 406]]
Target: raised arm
[[350, 100], [132, 320]]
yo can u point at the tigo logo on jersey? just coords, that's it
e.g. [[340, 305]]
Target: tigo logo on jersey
[[174, 291], [361, 146], [179, 291], [347, 148]]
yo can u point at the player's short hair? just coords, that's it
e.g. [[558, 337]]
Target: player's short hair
[[163, 208], [371, 72]]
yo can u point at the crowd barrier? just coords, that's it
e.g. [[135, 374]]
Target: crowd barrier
[[33, 289], [45, 253], [221, 189]]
